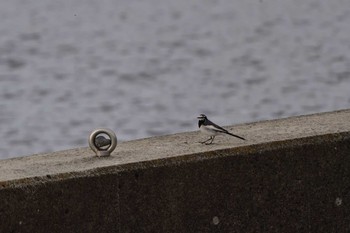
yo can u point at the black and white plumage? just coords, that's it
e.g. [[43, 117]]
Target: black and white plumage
[[210, 128]]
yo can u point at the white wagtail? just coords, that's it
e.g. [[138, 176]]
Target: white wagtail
[[211, 129]]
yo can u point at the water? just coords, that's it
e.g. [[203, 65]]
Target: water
[[145, 68]]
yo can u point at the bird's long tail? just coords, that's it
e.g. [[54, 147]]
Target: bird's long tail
[[234, 135]]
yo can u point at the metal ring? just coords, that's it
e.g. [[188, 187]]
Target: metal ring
[[98, 150]]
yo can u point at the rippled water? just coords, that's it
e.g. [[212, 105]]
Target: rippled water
[[146, 68]]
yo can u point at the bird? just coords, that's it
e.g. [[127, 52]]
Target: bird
[[210, 128]]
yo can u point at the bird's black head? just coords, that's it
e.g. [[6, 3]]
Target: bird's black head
[[201, 119]]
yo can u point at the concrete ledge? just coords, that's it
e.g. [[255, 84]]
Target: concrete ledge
[[291, 175]]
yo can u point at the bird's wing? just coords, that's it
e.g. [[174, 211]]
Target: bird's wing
[[216, 127]]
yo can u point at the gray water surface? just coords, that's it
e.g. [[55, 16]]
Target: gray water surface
[[144, 68]]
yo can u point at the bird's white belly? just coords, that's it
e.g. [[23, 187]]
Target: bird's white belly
[[208, 131]]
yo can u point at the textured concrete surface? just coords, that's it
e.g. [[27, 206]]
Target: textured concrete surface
[[291, 175]]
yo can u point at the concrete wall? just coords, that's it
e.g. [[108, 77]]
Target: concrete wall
[[291, 175]]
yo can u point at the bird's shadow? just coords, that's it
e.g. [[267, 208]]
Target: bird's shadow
[[207, 143]]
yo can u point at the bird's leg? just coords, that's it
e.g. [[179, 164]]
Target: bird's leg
[[206, 140], [212, 139]]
